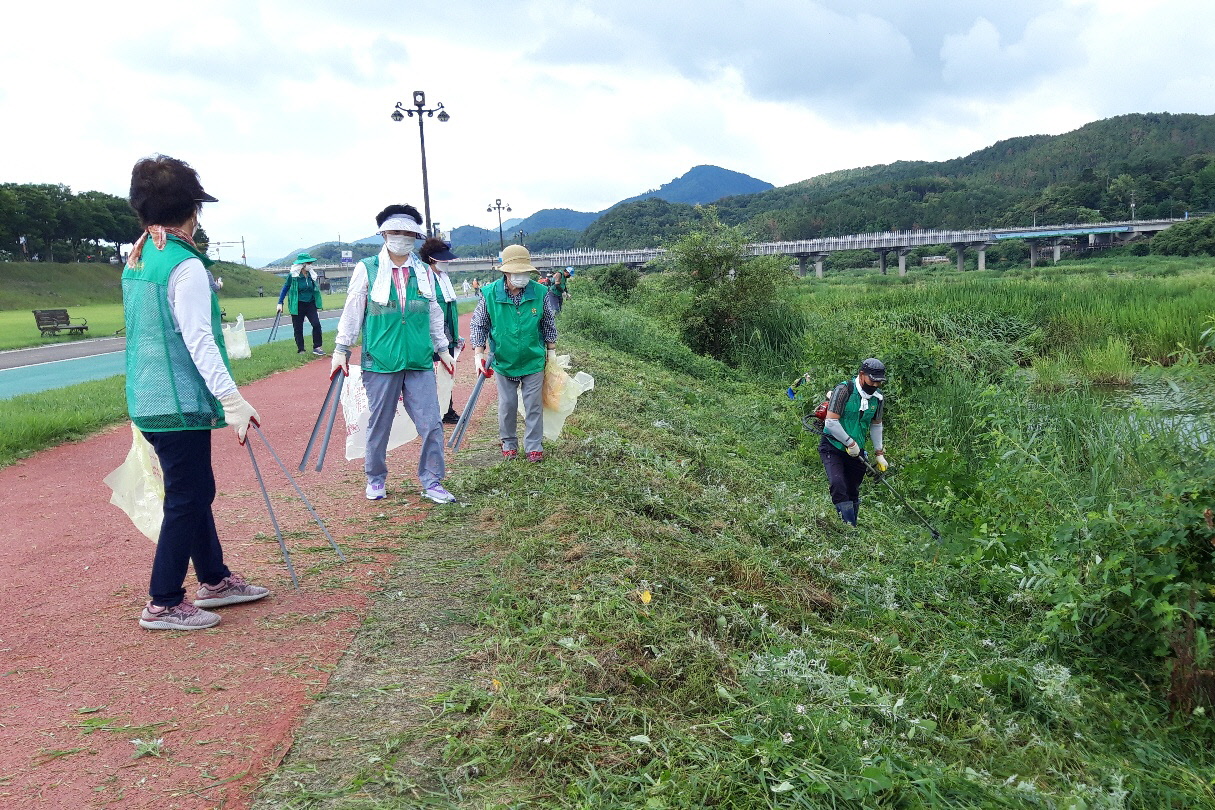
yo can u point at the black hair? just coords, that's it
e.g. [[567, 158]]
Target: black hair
[[165, 191], [407, 210]]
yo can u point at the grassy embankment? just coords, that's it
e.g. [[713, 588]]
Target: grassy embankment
[[32, 422], [94, 292], [678, 619]]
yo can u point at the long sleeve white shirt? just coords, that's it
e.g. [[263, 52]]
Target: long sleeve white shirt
[[189, 294], [351, 321]]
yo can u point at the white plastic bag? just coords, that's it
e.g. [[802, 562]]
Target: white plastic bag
[[444, 382], [139, 486], [560, 395], [356, 413], [237, 339]]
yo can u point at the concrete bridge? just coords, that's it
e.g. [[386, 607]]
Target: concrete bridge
[[900, 243]]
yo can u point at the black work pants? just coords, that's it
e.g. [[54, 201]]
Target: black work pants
[[306, 309], [844, 473], [187, 532]]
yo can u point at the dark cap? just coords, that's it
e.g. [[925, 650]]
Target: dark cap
[[875, 369], [436, 250]]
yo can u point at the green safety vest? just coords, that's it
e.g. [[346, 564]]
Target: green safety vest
[[451, 317], [165, 390], [396, 338], [515, 330], [855, 423], [293, 292], [559, 285]]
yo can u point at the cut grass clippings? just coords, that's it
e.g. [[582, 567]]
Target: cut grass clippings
[[676, 618]]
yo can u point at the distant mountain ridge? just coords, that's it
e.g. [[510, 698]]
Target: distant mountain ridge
[[699, 185]]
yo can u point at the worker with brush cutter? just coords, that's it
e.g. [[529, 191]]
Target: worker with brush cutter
[[853, 415]]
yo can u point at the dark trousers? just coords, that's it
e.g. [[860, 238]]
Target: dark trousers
[[306, 309], [844, 473], [557, 301], [187, 533]]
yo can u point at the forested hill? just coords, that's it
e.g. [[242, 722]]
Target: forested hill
[[1163, 163]]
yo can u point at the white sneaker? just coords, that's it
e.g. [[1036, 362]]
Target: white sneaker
[[376, 492]]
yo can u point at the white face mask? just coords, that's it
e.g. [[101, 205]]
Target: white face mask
[[398, 244], [518, 280]]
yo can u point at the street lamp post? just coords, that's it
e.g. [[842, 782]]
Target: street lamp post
[[398, 114], [520, 236], [499, 207]]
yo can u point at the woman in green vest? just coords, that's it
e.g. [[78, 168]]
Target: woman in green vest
[[179, 388], [303, 295], [854, 412], [391, 301], [437, 253], [516, 316]]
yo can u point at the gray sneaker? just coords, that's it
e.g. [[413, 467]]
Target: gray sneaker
[[179, 617], [230, 590]]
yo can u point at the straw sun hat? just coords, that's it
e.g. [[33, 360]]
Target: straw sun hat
[[516, 259]]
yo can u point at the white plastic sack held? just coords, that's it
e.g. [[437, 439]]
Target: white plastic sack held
[[237, 339], [560, 395], [139, 486], [356, 413]]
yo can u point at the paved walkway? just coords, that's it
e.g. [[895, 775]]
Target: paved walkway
[[80, 680]]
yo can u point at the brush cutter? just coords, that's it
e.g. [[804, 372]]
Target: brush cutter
[[809, 425]]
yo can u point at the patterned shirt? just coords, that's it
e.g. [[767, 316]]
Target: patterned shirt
[[478, 329]]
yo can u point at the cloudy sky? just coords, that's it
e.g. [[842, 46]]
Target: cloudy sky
[[284, 107]]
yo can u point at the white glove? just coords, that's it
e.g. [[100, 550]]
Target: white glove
[[449, 362], [550, 356], [219, 282], [880, 461], [340, 362], [280, 307], [854, 449], [482, 359], [239, 414]]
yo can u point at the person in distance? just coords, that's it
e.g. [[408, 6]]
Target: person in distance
[[303, 295]]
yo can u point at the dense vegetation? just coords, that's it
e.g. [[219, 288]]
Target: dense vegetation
[[677, 618]]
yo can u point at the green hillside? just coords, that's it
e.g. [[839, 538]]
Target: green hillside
[[1162, 164], [45, 285]]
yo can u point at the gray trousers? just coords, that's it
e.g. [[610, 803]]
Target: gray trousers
[[421, 397], [532, 386]]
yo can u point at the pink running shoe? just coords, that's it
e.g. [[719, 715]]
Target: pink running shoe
[[179, 617], [535, 455], [230, 590]]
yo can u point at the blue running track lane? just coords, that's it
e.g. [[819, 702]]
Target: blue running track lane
[[62, 373]]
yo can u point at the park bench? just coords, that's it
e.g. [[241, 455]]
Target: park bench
[[53, 321]]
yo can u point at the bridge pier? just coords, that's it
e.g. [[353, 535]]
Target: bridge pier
[[881, 259], [818, 264], [960, 247], [903, 261], [982, 250], [1057, 245], [801, 264]]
